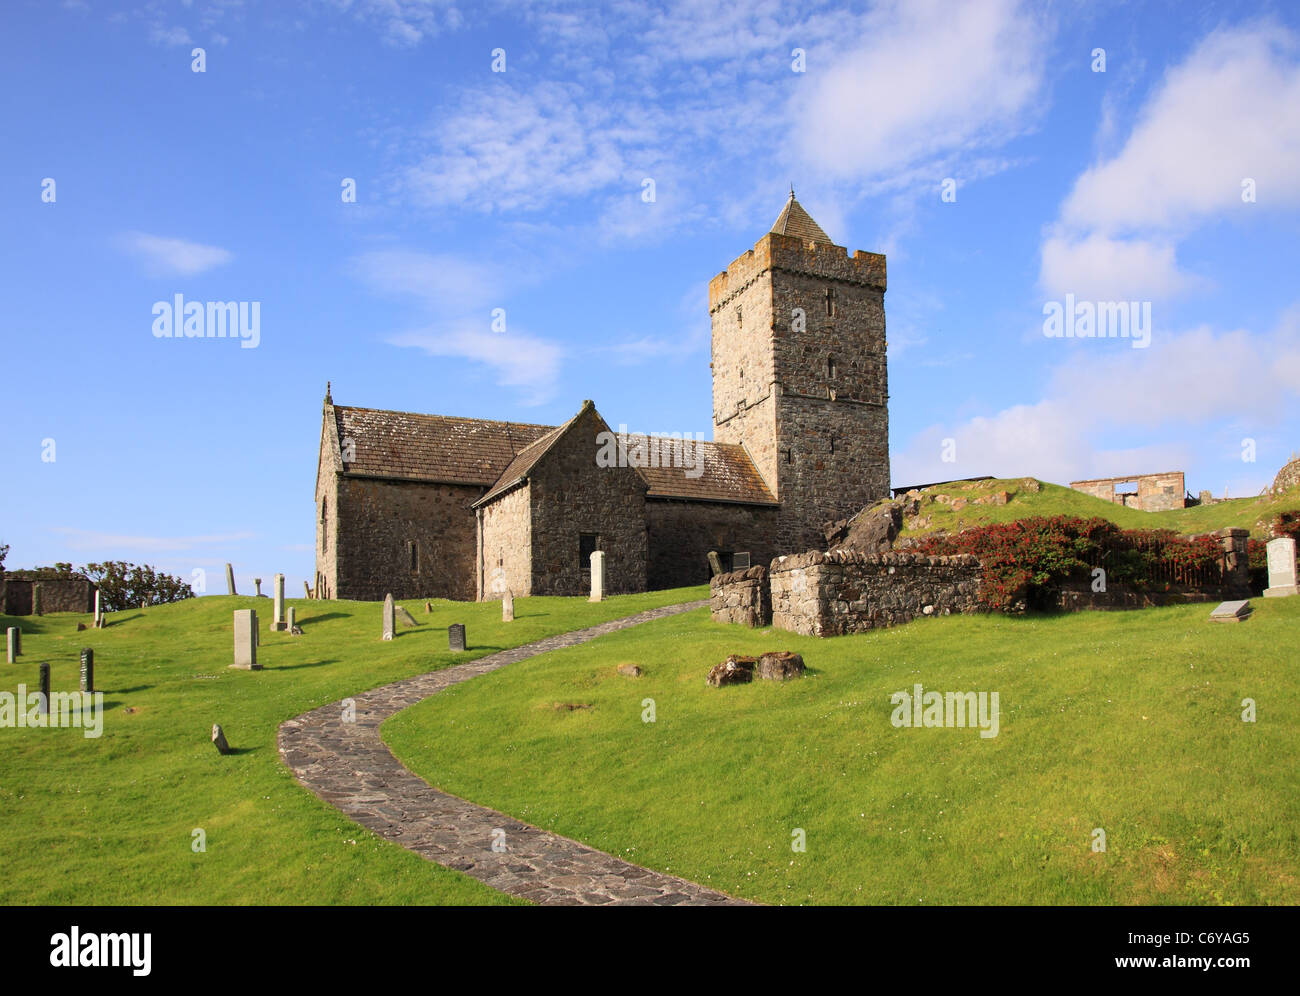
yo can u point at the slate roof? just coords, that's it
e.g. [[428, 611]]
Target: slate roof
[[438, 448], [794, 220], [494, 455]]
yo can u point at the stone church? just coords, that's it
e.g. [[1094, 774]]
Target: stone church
[[440, 506]]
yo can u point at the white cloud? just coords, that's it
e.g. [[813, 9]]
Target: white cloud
[[441, 280], [160, 35], [1104, 390], [164, 256], [1227, 114], [518, 360], [932, 79]]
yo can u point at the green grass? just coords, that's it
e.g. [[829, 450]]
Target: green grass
[[1254, 514], [1129, 721], [109, 820]]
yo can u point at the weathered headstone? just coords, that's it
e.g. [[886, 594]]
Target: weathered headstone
[[428, 606], [44, 706], [277, 621], [715, 563], [38, 606], [99, 612], [219, 739], [1281, 568], [13, 643], [630, 670], [246, 640], [87, 669], [597, 576], [456, 636], [306, 590], [291, 619], [405, 617], [257, 583], [230, 581], [1231, 612], [508, 606], [389, 624]]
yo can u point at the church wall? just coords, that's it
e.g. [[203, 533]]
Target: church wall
[[681, 534], [377, 519], [508, 544], [571, 495]]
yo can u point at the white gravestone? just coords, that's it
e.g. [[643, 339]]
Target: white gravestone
[[1281, 568], [277, 622], [597, 576], [246, 640], [389, 614]]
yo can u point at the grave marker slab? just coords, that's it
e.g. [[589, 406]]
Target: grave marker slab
[[597, 576], [406, 618], [715, 563], [87, 669], [1231, 612], [389, 624], [99, 612], [246, 640], [230, 581], [277, 620], [508, 606], [456, 636], [219, 739], [44, 706], [1281, 568], [13, 643], [257, 583]]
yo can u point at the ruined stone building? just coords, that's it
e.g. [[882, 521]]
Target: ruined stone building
[[1149, 492], [440, 506]]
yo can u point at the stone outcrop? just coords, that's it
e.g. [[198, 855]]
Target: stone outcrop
[[780, 665], [735, 670]]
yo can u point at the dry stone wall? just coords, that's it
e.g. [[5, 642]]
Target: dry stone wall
[[741, 597]]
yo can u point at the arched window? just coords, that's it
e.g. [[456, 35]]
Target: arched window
[[830, 367]]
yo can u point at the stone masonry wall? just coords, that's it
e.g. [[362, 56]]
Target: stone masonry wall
[[376, 521], [1155, 492], [507, 545], [680, 535], [57, 594], [572, 495], [741, 597], [830, 594]]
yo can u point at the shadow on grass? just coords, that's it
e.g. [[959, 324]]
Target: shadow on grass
[[320, 618], [294, 667]]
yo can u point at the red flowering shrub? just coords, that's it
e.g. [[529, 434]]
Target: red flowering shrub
[[1030, 558]]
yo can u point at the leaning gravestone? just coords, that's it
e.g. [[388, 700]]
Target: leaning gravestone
[[43, 706], [1281, 568], [87, 669], [404, 617], [277, 619], [13, 643], [219, 739], [456, 636], [230, 581], [715, 563], [305, 590], [597, 576], [508, 606], [389, 624], [246, 640]]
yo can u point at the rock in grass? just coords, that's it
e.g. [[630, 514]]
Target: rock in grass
[[735, 670], [629, 670], [781, 665], [219, 740]]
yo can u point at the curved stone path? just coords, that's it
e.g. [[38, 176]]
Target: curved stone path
[[351, 768]]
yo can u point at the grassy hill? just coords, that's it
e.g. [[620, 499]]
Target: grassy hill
[[1130, 722], [111, 820], [937, 512]]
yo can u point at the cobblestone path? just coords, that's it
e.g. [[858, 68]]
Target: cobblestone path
[[348, 766]]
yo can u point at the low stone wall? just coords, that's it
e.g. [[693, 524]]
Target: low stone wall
[[65, 594], [741, 597], [830, 594], [1079, 597]]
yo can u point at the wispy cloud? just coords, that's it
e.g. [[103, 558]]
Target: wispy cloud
[[165, 257], [89, 539]]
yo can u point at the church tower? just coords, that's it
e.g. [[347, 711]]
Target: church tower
[[799, 375]]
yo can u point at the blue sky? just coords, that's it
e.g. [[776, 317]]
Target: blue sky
[[523, 190]]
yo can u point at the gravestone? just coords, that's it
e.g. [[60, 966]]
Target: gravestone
[[219, 739], [715, 563], [257, 583], [597, 576], [38, 608], [44, 707], [405, 617], [13, 643], [230, 581], [388, 616], [87, 669], [1231, 612], [291, 619], [305, 590], [99, 612], [456, 636], [1281, 568], [508, 606], [277, 620], [428, 606], [246, 640]]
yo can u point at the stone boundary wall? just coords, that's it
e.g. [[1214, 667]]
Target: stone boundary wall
[[1078, 596], [830, 594], [741, 597], [76, 594]]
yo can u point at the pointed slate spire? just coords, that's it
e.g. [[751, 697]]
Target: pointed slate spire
[[794, 220]]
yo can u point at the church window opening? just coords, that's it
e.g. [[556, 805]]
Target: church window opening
[[588, 543]]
